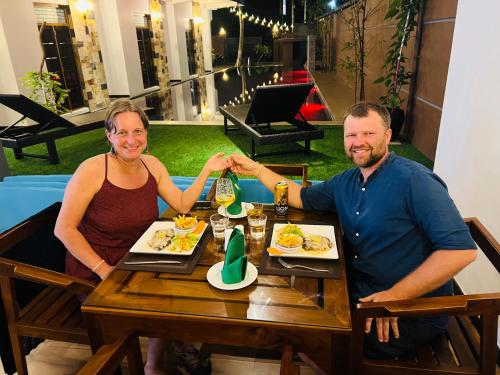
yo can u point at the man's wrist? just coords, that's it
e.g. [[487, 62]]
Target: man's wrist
[[259, 170]]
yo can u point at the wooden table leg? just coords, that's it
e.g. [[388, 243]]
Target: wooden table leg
[[94, 331], [287, 365]]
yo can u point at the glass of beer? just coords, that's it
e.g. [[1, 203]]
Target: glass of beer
[[224, 193], [258, 209], [257, 225]]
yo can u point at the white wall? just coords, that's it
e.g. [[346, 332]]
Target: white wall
[[111, 43], [118, 38], [171, 41], [183, 11], [468, 150], [20, 48], [206, 34]]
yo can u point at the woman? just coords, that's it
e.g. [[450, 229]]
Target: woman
[[112, 199]]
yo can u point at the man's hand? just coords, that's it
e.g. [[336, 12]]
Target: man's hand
[[242, 165], [383, 324]]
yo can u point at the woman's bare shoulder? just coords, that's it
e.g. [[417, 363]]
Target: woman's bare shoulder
[[92, 168], [152, 162], [155, 166]]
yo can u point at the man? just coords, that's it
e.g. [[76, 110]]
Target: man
[[403, 234]]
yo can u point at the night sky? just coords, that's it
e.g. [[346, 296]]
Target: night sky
[[270, 9]]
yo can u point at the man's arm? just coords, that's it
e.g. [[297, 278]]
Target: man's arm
[[242, 165], [436, 270]]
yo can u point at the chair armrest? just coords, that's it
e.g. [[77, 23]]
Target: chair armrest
[[108, 357], [485, 240], [471, 304], [13, 269]]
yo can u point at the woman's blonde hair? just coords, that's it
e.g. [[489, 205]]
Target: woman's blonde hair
[[121, 106]]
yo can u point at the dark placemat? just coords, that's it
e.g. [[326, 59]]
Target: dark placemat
[[270, 266], [186, 267]]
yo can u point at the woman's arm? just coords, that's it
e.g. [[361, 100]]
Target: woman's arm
[[182, 201], [78, 194]]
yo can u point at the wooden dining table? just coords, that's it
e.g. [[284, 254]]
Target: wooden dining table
[[310, 314]]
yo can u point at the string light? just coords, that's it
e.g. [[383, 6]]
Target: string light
[[274, 26], [247, 96]]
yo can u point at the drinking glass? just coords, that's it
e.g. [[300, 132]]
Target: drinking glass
[[258, 209], [219, 225], [257, 225], [224, 193]]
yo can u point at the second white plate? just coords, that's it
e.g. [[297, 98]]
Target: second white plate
[[244, 206], [327, 231]]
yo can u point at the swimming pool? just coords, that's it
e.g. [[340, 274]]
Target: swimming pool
[[197, 100]]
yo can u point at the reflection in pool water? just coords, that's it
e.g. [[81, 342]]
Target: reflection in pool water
[[199, 99]]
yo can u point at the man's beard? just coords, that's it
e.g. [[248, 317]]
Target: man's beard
[[375, 156]]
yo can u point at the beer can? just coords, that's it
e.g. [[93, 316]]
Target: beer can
[[281, 198]]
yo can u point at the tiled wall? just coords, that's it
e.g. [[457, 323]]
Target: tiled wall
[[86, 42], [158, 42], [437, 35]]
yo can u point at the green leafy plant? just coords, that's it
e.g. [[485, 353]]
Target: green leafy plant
[[261, 50], [47, 90], [396, 76], [354, 18]]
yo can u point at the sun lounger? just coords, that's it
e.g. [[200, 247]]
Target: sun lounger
[[272, 104], [47, 128]]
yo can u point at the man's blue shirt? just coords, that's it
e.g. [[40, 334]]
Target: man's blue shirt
[[392, 222]]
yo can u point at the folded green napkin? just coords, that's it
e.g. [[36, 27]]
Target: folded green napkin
[[235, 208], [235, 263]]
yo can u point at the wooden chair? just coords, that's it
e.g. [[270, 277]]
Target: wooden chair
[[469, 345], [39, 302], [289, 170], [109, 357]]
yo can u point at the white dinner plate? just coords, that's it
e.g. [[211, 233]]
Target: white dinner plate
[[244, 207], [327, 231], [142, 247], [214, 277]]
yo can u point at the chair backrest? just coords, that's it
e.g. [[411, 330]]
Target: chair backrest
[[33, 110], [277, 102], [290, 170], [474, 350]]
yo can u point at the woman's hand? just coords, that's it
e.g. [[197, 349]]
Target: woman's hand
[[217, 163]]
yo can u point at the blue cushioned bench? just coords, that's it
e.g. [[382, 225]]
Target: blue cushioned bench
[[23, 196]]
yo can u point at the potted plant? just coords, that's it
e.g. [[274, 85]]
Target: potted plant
[[262, 51], [47, 90], [355, 17], [396, 76]]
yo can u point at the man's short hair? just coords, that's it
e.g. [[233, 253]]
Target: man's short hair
[[361, 109], [121, 106]]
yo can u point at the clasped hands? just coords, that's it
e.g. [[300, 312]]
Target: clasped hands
[[237, 163], [383, 325]]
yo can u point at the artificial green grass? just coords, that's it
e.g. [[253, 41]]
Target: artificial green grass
[[185, 148]]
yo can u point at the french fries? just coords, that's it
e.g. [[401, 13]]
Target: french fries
[[185, 222], [290, 240]]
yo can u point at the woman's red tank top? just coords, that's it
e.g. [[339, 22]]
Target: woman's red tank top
[[114, 221]]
